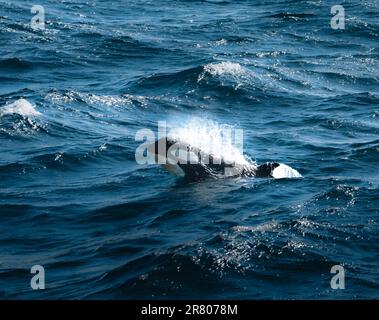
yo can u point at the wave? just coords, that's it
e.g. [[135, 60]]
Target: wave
[[126, 46], [67, 160], [19, 119], [254, 80], [292, 16], [219, 80], [95, 100], [21, 107], [224, 68], [15, 64]]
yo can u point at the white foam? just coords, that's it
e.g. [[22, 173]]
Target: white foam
[[95, 100], [225, 68], [259, 228], [21, 106], [229, 69], [284, 171]]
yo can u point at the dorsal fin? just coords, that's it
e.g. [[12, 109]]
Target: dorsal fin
[[265, 170]]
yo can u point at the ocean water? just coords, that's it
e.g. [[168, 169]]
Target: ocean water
[[74, 200]]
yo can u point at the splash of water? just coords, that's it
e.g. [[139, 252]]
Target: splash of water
[[219, 140], [21, 107]]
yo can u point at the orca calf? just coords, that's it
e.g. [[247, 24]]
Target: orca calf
[[190, 162]]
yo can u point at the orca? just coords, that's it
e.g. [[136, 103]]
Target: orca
[[182, 159]]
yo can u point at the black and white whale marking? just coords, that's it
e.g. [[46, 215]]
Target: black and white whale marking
[[192, 163]]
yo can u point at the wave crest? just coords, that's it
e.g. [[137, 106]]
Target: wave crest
[[21, 107]]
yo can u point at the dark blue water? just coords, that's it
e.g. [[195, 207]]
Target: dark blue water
[[74, 200]]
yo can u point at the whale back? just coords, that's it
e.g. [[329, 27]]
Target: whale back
[[193, 164]]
